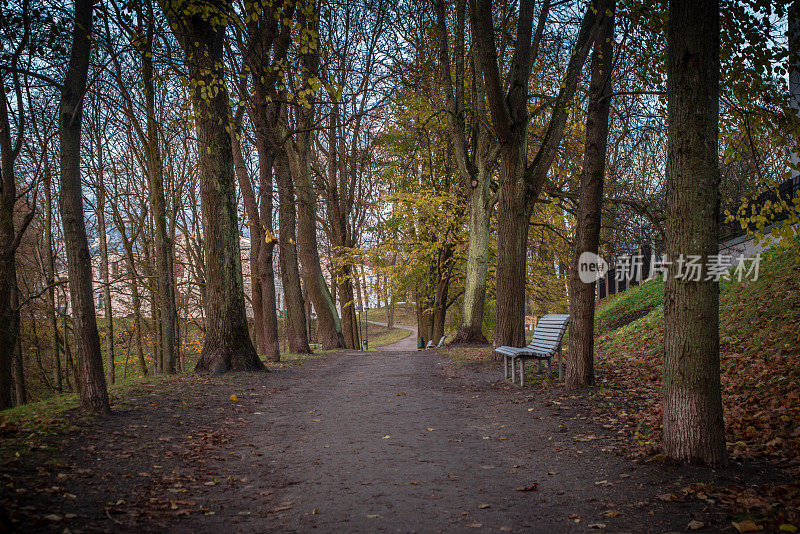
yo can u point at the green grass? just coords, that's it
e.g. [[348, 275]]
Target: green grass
[[380, 336], [623, 308], [759, 335], [402, 315], [755, 316]]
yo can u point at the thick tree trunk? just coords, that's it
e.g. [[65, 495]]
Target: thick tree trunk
[[8, 193], [329, 325], [347, 305], [471, 329], [580, 361], [227, 345], [520, 183], [512, 232], [295, 318], [94, 396], [694, 429]]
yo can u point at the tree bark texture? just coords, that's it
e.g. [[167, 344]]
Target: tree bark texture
[[580, 361], [694, 429], [227, 344], [295, 317], [92, 387], [106, 278]]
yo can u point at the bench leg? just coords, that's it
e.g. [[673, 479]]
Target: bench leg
[[521, 372], [505, 367], [550, 367], [560, 366]]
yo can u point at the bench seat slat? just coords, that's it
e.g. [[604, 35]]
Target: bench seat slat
[[548, 335]]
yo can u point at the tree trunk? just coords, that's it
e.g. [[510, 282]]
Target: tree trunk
[[49, 274], [580, 361], [266, 270], [694, 429], [8, 326], [137, 321], [20, 392], [163, 246], [515, 214], [94, 396], [101, 228], [471, 329], [295, 318], [347, 305], [329, 325], [227, 344]]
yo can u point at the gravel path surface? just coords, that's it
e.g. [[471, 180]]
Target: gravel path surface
[[356, 442]]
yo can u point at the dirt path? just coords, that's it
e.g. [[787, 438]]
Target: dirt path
[[364, 442], [408, 343]]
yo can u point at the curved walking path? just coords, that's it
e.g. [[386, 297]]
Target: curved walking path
[[355, 442], [408, 343]]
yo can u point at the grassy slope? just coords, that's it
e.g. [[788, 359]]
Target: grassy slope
[[759, 341]]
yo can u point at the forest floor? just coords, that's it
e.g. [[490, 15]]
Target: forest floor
[[354, 441]]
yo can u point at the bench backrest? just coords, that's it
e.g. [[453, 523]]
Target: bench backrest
[[429, 345], [549, 332]]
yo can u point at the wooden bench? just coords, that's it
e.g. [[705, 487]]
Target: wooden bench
[[441, 342], [545, 344]]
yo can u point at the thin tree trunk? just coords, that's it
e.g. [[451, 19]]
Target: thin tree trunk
[[137, 322], [694, 429], [101, 228], [167, 324], [266, 270], [580, 361], [49, 274], [94, 396], [20, 393]]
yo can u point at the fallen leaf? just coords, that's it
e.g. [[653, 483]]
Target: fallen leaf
[[745, 526], [234, 398], [532, 487], [786, 527], [373, 516], [612, 513], [474, 525], [695, 525], [484, 506], [597, 525], [282, 507], [53, 517], [387, 436]]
